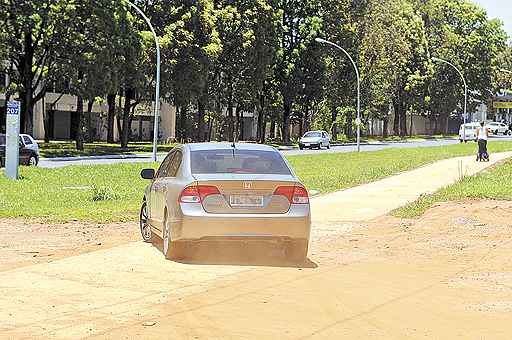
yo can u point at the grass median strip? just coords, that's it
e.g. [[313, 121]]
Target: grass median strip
[[66, 149], [109, 193], [494, 184]]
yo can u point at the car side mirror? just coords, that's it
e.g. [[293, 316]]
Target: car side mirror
[[147, 173]]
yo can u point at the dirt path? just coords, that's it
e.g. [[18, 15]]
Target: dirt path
[[24, 243], [447, 275]]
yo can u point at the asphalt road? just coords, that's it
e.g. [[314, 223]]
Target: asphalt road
[[59, 162]]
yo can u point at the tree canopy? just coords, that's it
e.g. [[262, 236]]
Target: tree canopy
[[223, 58]]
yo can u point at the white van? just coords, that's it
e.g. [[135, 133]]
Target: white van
[[470, 130]]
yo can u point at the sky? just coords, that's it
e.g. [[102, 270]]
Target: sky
[[501, 9]]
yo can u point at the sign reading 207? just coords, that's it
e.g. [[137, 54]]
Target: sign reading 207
[[13, 108]]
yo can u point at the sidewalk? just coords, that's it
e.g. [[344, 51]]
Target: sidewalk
[[375, 199]]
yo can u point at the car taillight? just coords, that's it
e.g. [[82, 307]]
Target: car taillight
[[295, 194], [197, 193]]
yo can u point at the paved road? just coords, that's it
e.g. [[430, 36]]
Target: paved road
[[57, 163]]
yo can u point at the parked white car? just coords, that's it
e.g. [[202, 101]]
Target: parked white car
[[498, 128], [315, 140], [470, 130], [30, 143]]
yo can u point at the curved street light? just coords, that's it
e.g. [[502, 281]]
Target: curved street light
[[465, 91], [358, 121], [157, 86]]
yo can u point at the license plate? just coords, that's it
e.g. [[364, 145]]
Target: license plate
[[245, 201], [307, 144]]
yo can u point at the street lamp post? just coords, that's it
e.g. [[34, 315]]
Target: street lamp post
[[358, 121], [157, 86], [465, 91]]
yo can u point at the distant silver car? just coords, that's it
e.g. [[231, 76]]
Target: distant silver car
[[219, 191], [315, 140]]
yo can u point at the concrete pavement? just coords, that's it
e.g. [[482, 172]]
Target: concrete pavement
[[378, 198], [96, 293]]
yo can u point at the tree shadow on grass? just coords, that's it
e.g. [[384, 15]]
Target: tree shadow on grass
[[238, 253]]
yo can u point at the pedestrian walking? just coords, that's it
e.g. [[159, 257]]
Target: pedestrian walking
[[482, 137]]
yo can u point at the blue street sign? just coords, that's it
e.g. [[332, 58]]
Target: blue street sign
[[13, 108]]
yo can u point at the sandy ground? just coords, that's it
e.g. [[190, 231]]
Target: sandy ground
[[447, 275], [24, 243]]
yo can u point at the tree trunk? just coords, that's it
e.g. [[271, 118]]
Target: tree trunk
[[334, 117], [261, 120], [403, 123], [240, 122], [201, 113], [183, 123], [273, 129], [396, 120], [111, 100], [90, 135], [286, 123], [349, 131], [411, 125], [231, 125], [125, 131], [27, 80], [48, 125], [385, 127], [79, 138]]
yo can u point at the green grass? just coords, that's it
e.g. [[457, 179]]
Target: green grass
[[495, 184], [67, 149], [107, 193]]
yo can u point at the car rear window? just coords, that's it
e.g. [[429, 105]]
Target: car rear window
[[236, 161], [27, 140], [312, 134]]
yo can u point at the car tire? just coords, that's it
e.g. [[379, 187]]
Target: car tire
[[301, 147], [297, 251], [328, 146], [32, 161], [145, 227]]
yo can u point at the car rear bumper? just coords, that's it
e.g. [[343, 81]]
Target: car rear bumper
[[197, 225]]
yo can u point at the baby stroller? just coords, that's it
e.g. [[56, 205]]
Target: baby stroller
[[483, 155]]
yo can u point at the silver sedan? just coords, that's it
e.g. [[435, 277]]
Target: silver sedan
[[218, 191]]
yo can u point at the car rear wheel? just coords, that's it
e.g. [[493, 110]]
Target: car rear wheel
[[32, 161], [297, 250], [328, 146], [145, 228]]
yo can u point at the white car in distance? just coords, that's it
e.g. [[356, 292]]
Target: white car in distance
[[498, 128], [315, 140]]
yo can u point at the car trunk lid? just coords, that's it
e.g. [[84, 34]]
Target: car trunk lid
[[246, 194]]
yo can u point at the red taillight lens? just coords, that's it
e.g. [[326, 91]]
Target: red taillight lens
[[197, 193], [295, 194]]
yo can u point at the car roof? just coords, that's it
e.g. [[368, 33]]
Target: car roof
[[228, 146]]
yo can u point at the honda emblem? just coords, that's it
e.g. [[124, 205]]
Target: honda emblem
[[247, 185]]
